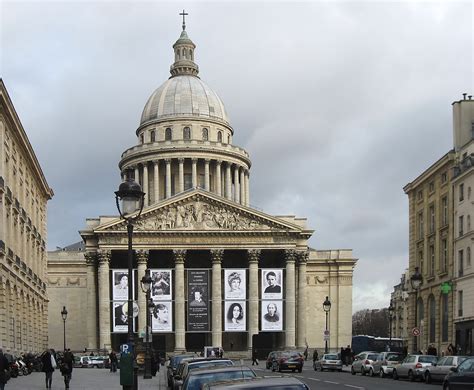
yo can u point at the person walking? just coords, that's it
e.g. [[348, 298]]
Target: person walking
[[4, 370], [254, 358], [66, 367], [113, 361], [315, 355], [49, 364]]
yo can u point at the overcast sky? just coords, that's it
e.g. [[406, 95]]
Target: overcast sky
[[340, 104]]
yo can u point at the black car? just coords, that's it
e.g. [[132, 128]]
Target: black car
[[288, 360], [460, 377], [173, 365]]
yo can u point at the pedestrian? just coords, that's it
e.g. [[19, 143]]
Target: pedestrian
[[4, 370], [450, 350], [315, 355], [49, 364], [343, 355], [305, 353], [66, 367], [113, 361], [348, 353], [254, 357]]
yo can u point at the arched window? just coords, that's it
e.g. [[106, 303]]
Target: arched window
[[168, 134], [178, 54], [142, 138], [468, 223], [190, 54], [219, 136], [228, 139], [205, 134], [432, 309], [186, 133], [152, 136]]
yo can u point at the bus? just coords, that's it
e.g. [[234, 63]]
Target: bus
[[378, 344]]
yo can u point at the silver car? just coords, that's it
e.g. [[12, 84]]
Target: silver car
[[329, 361], [363, 363], [384, 364], [413, 367], [442, 367]]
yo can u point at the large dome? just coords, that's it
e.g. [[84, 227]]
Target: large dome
[[183, 95]]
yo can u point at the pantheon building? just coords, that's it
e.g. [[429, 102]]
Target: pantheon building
[[224, 273]]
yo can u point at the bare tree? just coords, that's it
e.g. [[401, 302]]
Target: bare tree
[[371, 322]]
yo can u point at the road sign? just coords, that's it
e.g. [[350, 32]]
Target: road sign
[[415, 331], [126, 348], [326, 335]]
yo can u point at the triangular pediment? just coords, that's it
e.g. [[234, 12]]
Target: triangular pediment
[[198, 211]]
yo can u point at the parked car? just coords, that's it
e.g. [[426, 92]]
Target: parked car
[[285, 382], [173, 365], [85, 361], [442, 367], [385, 362], [363, 363], [98, 361], [329, 361], [461, 377], [271, 356], [288, 360], [189, 365], [197, 378], [413, 367]]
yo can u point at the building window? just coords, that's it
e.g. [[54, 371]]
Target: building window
[[152, 136], [461, 225], [444, 208], [444, 255], [205, 134], [186, 133], [460, 303], [168, 134], [432, 308], [468, 256], [419, 195], [432, 219], [420, 261], [219, 136], [432, 260], [431, 186], [444, 318], [188, 181], [420, 225], [142, 139], [461, 192], [228, 139], [444, 177], [460, 263], [468, 223]]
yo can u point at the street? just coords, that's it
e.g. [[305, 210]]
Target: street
[[95, 378]]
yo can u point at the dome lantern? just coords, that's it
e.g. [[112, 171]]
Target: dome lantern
[[184, 55]]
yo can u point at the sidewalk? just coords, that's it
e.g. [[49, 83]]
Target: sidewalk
[[86, 379]]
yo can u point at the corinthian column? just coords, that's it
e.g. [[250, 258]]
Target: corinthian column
[[181, 174], [247, 188], [104, 299], [206, 175], [180, 326], [137, 174], [142, 260], [302, 315], [194, 172], [236, 185], [290, 309], [242, 187], [254, 257], [91, 321], [228, 182], [156, 180], [218, 177], [168, 178], [145, 184], [216, 257]]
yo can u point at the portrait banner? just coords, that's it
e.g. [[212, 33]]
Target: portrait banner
[[272, 315], [272, 283], [235, 284], [198, 301], [120, 285], [161, 287], [162, 318], [120, 320], [235, 316]]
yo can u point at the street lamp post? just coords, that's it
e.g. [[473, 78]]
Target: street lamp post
[[146, 286], [132, 198], [64, 316], [391, 310], [326, 308], [416, 280]]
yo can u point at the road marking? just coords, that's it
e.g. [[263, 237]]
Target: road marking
[[334, 383], [356, 387], [314, 379]]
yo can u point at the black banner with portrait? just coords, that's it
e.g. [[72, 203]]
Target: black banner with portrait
[[198, 301]]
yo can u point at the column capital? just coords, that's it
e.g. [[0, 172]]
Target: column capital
[[181, 160], [290, 255], [91, 258], [254, 255], [179, 255], [104, 256], [217, 255], [194, 160], [167, 160], [142, 256], [218, 162], [303, 257], [207, 160], [156, 162]]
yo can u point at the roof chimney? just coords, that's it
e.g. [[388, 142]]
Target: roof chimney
[[464, 95]]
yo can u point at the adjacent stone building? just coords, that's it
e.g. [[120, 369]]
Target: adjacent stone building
[[24, 194], [224, 273]]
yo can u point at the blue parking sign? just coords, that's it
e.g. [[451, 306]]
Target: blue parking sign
[[126, 348]]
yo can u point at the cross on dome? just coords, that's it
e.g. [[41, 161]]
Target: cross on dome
[[184, 14]]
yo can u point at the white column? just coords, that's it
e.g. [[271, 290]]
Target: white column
[[247, 188], [91, 263], [206, 175], [228, 182], [218, 177], [236, 184], [181, 174], [146, 184], [194, 172], [104, 299], [290, 299], [242, 186], [156, 179], [254, 256], [168, 178], [180, 326], [142, 259], [137, 174], [216, 257], [302, 305]]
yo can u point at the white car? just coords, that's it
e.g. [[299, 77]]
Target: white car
[[363, 363]]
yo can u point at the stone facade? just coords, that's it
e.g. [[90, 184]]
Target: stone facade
[[24, 194]]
